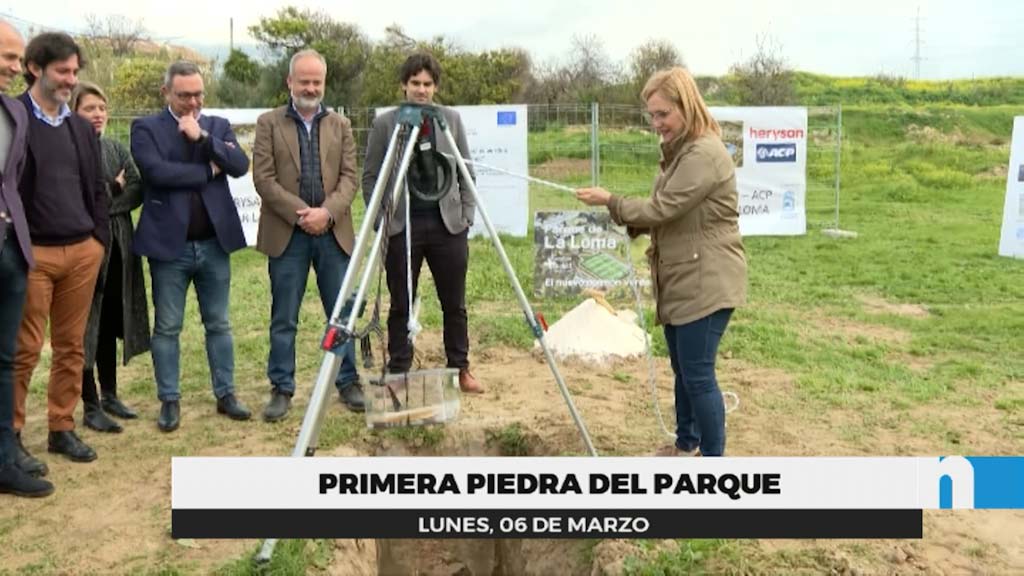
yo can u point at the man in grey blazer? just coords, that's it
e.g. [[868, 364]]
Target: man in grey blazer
[[15, 260], [439, 228]]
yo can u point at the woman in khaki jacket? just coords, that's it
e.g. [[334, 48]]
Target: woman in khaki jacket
[[697, 262]]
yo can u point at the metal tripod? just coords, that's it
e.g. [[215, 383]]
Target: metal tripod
[[341, 326]]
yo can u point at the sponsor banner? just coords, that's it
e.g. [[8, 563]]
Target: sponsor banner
[[769, 147], [1011, 241], [497, 137]]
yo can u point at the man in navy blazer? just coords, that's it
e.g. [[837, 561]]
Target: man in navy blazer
[[15, 260], [188, 228]]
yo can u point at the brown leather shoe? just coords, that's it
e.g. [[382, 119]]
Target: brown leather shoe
[[469, 384]]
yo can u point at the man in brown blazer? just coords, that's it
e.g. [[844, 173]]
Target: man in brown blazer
[[304, 169]]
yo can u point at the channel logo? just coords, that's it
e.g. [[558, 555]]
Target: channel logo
[[776, 152]]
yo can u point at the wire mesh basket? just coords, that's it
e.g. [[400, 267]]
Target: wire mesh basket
[[413, 398]]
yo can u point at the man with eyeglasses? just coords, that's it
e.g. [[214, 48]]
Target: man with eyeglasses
[[188, 228]]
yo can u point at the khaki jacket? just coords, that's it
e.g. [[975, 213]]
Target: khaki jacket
[[696, 255], [276, 172]]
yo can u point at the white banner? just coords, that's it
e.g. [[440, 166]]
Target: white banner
[[769, 148], [243, 190], [1011, 241], [497, 137], [570, 483]]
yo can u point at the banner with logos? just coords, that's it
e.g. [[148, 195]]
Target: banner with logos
[[1011, 241], [497, 137], [769, 148]]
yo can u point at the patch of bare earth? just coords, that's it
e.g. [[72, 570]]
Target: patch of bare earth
[[878, 305]]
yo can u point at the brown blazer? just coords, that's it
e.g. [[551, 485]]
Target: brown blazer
[[696, 254], [276, 167]]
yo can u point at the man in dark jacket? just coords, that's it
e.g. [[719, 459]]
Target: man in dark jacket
[[15, 259], [65, 204], [188, 229]]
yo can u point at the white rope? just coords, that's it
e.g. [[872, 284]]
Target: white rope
[[413, 325], [731, 400]]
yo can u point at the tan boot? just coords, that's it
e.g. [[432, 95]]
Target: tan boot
[[469, 384]]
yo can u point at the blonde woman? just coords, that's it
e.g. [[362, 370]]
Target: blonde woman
[[119, 303], [697, 261]]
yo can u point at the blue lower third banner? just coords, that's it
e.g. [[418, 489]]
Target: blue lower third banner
[[663, 523]]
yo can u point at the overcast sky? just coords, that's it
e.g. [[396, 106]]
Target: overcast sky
[[866, 37]]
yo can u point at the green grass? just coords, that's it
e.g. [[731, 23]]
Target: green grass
[[510, 440], [291, 557]]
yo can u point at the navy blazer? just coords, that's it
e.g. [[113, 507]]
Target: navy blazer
[[10, 199], [172, 168]]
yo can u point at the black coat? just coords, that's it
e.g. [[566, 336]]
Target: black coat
[[135, 315]]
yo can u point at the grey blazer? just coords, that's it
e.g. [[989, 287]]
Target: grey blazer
[[458, 209], [10, 198]]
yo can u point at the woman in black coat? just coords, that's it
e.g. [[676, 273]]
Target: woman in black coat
[[119, 305]]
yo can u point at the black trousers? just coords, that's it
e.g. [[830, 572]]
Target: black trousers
[[111, 328], [447, 255]]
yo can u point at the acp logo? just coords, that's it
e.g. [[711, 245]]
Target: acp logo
[[776, 152]]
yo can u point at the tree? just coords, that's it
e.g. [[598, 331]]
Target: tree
[[765, 79], [650, 57], [589, 69], [136, 85], [118, 32], [240, 68], [492, 77], [344, 47]]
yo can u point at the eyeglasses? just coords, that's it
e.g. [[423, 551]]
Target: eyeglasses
[[658, 115], [186, 96]]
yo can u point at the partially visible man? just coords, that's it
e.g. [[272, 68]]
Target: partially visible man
[[66, 204], [188, 228], [440, 227], [15, 259], [304, 169]]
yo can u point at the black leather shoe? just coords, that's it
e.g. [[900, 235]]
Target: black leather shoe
[[352, 397], [14, 481], [278, 406], [97, 419], [26, 462], [170, 416], [233, 408], [112, 405], [69, 444]]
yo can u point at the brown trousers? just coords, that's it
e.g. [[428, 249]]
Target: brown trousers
[[60, 290]]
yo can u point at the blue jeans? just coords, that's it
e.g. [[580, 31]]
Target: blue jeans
[[207, 265], [13, 281], [700, 411], [288, 275]]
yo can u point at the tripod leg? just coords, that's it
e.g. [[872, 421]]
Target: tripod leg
[[531, 318], [309, 434]]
